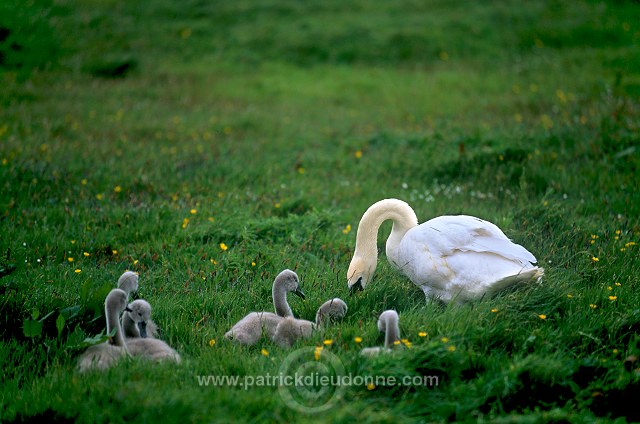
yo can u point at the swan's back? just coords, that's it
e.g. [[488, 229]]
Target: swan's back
[[152, 349], [249, 329], [100, 357], [291, 329], [462, 257]]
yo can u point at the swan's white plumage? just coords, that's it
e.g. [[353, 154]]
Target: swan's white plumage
[[449, 257]]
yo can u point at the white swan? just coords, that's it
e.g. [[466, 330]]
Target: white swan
[[128, 282], [249, 329], [290, 329], [136, 321], [388, 324], [448, 257], [105, 354]]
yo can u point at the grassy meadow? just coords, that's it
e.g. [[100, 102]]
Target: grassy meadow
[[208, 145]]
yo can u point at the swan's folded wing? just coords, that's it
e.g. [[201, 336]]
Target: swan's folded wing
[[447, 235]]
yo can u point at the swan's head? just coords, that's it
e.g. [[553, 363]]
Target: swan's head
[[116, 301], [387, 317], [140, 312], [360, 273], [288, 280], [128, 282], [331, 310]]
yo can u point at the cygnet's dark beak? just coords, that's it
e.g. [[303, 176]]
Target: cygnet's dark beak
[[142, 326], [299, 293], [128, 309], [357, 286]]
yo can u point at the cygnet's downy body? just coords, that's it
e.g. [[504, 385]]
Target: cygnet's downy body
[[138, 318], [152, 349], [388, 324], [136, 322], [104, 355], [250, 329], [128, 282], [290, 329]]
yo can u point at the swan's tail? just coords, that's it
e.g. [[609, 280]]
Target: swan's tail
[[523, 277]]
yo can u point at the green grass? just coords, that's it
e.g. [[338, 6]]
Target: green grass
[[143, 135]]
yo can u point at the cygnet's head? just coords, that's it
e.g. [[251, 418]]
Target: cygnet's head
[[288, 281], [390, 317], [332, 310], [128, 282], [140, 313], [116, 301]]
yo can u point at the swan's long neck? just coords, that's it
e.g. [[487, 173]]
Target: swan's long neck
[[392, 331], [403, 217], [113, 321], [279, 294]]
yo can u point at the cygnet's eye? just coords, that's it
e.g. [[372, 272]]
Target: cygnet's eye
[[139, 314]]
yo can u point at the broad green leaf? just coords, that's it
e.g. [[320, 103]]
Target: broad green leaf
[[31, 327]]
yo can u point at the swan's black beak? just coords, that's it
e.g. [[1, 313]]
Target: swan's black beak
[[128, 309], [142, 326], [357, 286], [299, 293]]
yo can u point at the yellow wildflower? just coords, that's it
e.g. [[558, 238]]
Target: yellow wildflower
[[357, 339], [70, 259], [422, 334], [117, 189], [212, 342], [78, 271], [358, 154], [542, 316], [223, 247], [347, 229], [593, 305], [451, 348], [264, 352], [444, 340], [613, 298], [371, 386], [328, 342]]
